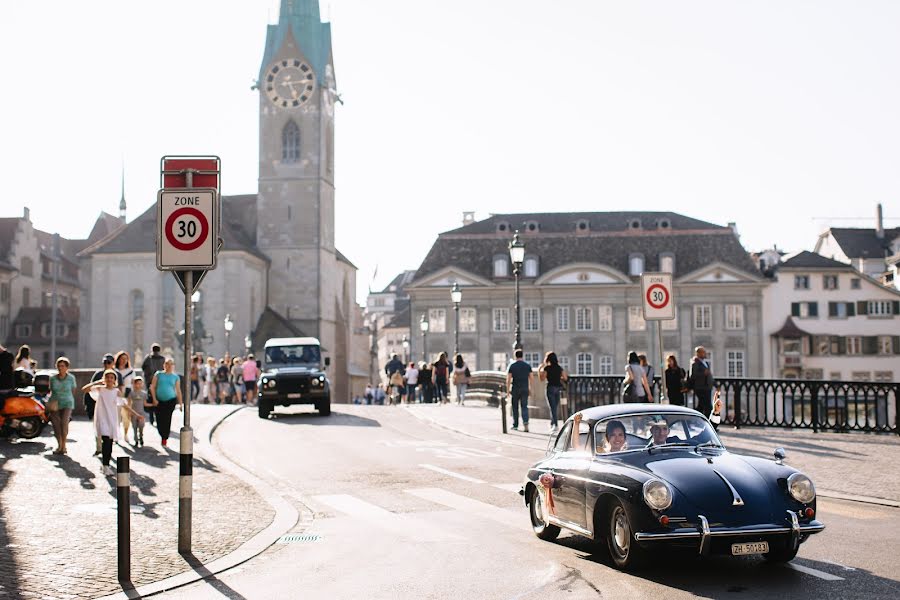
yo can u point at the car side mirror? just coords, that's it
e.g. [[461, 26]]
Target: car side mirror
[[779, 455], [327, 361]]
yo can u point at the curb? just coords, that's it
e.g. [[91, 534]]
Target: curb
[[286, 517]]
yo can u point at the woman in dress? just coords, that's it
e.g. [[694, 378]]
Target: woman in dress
[[106, 414], [62, 389]]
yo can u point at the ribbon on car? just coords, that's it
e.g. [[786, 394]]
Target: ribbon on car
[[547, 482]]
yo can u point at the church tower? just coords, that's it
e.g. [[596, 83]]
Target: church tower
[[295, 206]]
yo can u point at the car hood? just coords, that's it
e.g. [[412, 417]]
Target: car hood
[[702, 481], [294, 370]]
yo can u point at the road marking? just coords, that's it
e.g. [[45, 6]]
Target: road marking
[[451, 473], [509, 487], [814, 572], [481, 509], [828, 562], [385, 519]]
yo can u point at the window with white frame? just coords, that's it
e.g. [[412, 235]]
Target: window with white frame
[[885, 344], [531, 266], [562, 318], [584, 363], [879, 308], [532, 358], [23, 330], [501, 268], [801, 282], [563, 362], [606, 365], [702, 316], [854, 345], [531, 319], [468, 320], [830, 282], [734, 363], [855, 283], [884, 376], [636, 320], [437, 320], [667, 263], [501, 319], [500, 361], [861, 376], [734, 316], [584, 318], [604, 319], [635, 265]]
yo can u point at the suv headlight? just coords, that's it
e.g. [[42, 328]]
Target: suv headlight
[[271, 383], [801, 488], [657, 495], [316, 382]]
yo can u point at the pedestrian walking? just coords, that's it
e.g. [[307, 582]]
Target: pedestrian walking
[[90, 401], [675, 381], [138, 401], [369, 393], [648, 368], [519, 378], [379, 395], [441, 378], [426, 382], [461, 376], [250, 373], [166, 386], [62, 402], [635, 387], [195, 377], [222, 385], [555, 376], [109, 398], [209, 379], [701, 381], [126, 373], [152, 363], [412, 382], [237, 379]]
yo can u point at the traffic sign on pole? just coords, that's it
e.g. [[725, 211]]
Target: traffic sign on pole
[[657, 297], [188, 229]]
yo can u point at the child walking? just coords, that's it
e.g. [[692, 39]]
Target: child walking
[[106, 421], [138, 400]]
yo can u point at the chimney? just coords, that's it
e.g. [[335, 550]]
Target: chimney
[[27, 214], [468, 217], [879, 222], [733, 227]]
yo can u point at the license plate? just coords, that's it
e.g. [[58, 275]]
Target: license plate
[[294, 395], [750, 548]]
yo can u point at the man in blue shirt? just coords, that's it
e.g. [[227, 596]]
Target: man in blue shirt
[[518, 382]]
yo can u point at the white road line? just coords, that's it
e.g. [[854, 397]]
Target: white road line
[[828, 562], [449, 473], [476, 507], [814, 572], [384, 519], [508, 487]]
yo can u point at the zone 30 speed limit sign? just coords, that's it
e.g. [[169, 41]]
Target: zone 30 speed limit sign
[[187, 222], [656, 292]]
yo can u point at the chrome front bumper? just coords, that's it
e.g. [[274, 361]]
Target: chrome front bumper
[[705, 533]]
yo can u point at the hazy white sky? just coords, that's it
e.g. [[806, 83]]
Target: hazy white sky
[[779, 115]]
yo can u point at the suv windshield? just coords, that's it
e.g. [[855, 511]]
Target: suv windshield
[[654, 430], [292, 355]]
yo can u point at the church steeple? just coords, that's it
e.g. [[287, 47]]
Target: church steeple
[[302, 20], [304, 9], [122, 201]]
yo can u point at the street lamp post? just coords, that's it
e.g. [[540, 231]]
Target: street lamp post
[[456, 298], [423, 327], [229, 325], [405, 349], [517, 256], [248, 343]]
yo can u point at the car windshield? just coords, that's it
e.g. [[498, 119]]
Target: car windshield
[[653, 430], [291, 355]]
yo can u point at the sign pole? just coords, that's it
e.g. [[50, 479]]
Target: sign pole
[[186, 439], [664, 393]]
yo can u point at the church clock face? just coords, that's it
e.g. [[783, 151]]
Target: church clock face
[[290, 83]]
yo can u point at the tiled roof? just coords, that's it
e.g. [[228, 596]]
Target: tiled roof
[[342, 258], [567, 222], [399, 282], [790, 330], [400, 319], [863, 243], [694, 244], [36, 315], [811, 260], [103, 226]]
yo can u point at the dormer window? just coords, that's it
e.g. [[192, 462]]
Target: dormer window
[[664, 224], [531, 266], [501, 266], [582, 225], [634, 224], [667, 262], [502, 227], [635, 265], [532, 226]]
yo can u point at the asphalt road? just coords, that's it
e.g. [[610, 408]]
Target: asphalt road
[[403, 509]]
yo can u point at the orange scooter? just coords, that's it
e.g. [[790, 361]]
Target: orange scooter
[[23, 414]]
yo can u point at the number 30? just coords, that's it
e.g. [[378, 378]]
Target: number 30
[[188, 228]]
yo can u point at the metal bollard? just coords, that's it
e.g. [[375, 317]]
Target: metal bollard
[[123, 499], [503, 411], [185, 489]]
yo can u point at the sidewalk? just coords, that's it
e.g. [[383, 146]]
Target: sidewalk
[[859, 465], [58, 517]]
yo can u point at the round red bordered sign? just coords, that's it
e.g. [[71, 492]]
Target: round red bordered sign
[[170, 232], [659, 299]]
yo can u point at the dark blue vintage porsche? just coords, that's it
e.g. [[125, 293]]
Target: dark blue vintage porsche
[[635, 477]]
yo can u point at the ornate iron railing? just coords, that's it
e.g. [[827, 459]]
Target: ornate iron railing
[[809, 404]]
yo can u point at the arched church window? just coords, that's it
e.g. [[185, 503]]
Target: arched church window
[[290, 143]]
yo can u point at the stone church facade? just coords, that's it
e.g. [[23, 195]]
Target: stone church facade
[[279, 273]]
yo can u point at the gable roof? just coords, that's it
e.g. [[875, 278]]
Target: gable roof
[[398, 283], [863, 243], [811, 260], [566, 222]]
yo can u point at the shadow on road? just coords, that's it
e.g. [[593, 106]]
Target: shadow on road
[[9, 572], [210, 579], [336, 419]]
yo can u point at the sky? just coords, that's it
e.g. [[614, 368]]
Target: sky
[[780, 116]]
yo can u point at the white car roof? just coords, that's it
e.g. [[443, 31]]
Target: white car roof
[[295, 341]]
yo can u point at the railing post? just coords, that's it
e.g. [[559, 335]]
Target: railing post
[[897, 409], [123, 498], [737, 404], [814, 395], [503, 411]]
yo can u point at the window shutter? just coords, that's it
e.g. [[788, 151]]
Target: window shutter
[[795, 309], [832, 309], [870, 344], [896, 343], [814, 309], [862, 307], [896, 304], [851, 309], [842, 345]]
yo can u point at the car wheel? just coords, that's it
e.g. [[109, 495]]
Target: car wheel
[[781, 551], [30, 428], [539, 524], [626, 554], [265, 407], [324, 408]]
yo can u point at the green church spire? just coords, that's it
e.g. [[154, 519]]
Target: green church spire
[[304, 22], [304, 9]]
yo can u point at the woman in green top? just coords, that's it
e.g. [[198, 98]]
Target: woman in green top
[[62, 389], [166, 386]]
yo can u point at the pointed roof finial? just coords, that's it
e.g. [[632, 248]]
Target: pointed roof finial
[[122, 201]]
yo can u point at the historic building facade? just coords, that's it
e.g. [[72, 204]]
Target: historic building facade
[[279, 273], [580, 291]]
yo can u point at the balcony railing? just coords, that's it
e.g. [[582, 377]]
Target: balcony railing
[[807, 404]]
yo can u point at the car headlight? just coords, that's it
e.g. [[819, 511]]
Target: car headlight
[[322, 378], [271, 383], [657, 495], [316, 383], [801, 488]]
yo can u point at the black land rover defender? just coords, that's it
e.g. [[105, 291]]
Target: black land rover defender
[[293, 373]]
